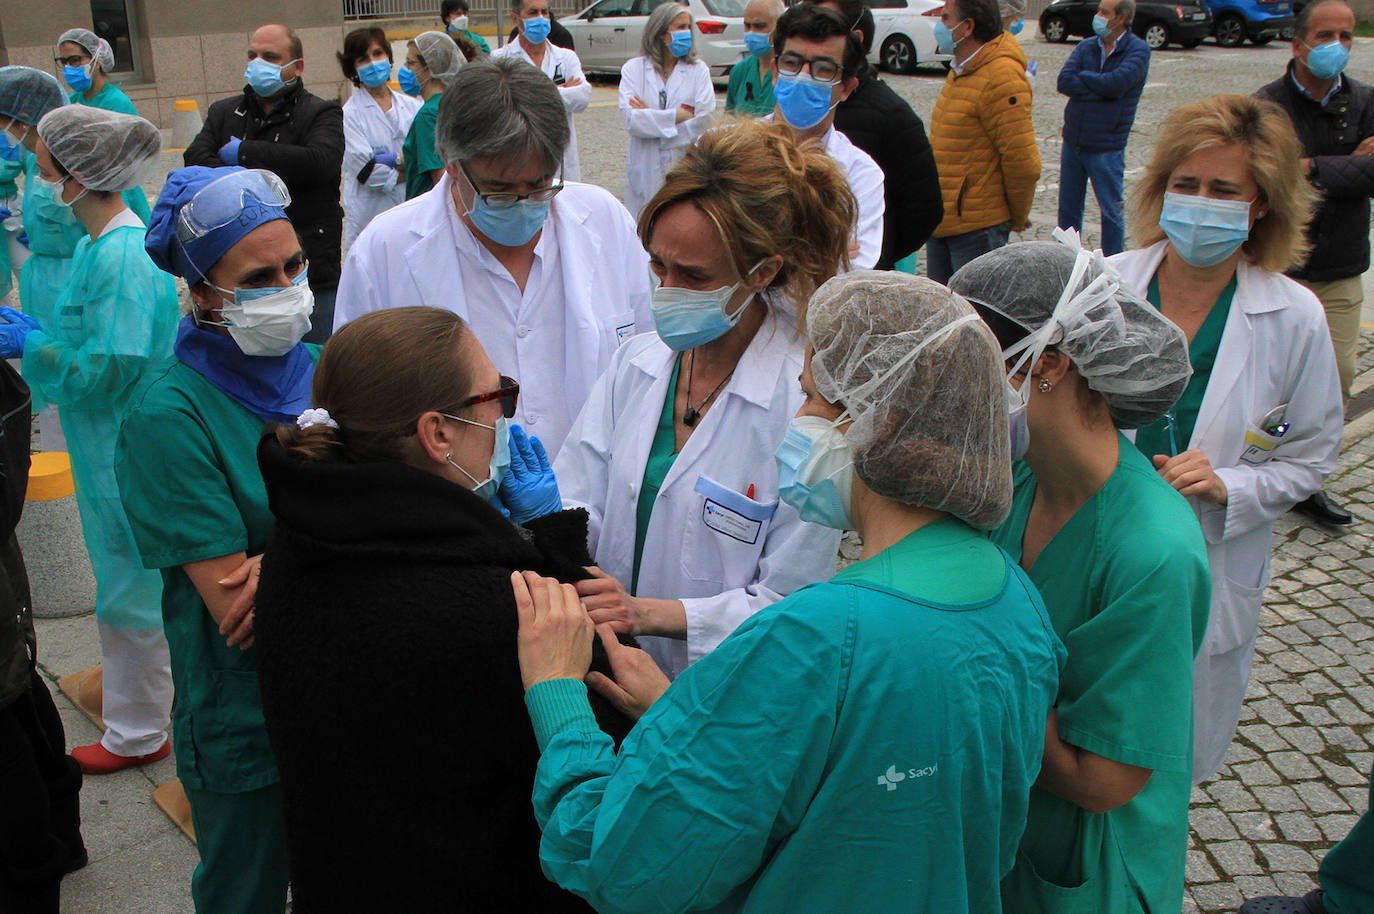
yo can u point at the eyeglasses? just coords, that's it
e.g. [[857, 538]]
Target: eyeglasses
[[823, 68], [508, 394], [507, 199], [76, 60]]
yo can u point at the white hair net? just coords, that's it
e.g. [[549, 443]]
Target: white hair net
[[97, 47], [104, 150], [1009, 8], [442, 57], [27, 94], [922, 379], [1075, 301]]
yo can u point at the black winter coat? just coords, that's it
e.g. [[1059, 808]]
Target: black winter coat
[[386, 649], [882, 124], [18, 646], [300, 141], [1339, 232]]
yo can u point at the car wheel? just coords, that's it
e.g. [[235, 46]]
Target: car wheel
[[1229, 31], [1261, 42], [898, 55], [1156, 35], [1055, 28]]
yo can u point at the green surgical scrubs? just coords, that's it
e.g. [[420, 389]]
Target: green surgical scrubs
[[864, 745], [747, 94], [1159, 438], [418, 149], [1345, 874], [1127, 587], [662, 453]]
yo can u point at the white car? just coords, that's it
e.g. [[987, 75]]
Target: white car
[[609, 32], [904, 34]]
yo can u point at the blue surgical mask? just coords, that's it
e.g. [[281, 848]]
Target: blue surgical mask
[[536, 29], [1202, 230], [803, 100], [375, 74], [500, 458], [79, 78], [265, 78], [758, 43], [11, 149], [1017, 26], [944, 36], [815, 471], [682, 42], [1101, 27], [512, 225], [409, 84], [1326, 61], [686, 318]]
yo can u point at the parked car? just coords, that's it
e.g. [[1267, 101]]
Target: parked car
[[904, 34], [609, 32], [1261, 21], [1160, 24]]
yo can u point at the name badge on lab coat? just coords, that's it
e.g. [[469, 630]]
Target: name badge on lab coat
[[1259, 446], [728, 512]]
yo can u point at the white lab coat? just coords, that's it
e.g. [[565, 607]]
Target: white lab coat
[[560, 63], [368, 130], [725, 555], [1275, 349], [408, 256], [656, 138]]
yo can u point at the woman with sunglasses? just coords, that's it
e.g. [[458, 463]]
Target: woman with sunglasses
[[385, 609]]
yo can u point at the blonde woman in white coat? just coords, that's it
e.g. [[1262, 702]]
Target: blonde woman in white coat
[[666, 99], [1222, 208], [673, 453]]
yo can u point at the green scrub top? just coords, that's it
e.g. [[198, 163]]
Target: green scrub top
[[418, 149], [662, 453], [477, 40], [188, 471], [1127, 586], [746, 93], [862, 745], [1202, 353]]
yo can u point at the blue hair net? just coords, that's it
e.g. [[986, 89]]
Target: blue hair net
[[203, 212], [27, 94]]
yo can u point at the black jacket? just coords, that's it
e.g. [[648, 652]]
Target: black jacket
[[18, 646], [882, 124], [1339, 232], [386, 649], [301, 141]]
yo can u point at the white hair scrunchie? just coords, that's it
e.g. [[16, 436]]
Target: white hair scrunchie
[[315, 417]]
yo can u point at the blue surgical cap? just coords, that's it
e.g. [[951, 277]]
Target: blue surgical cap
[[27, 94], [240, 202]]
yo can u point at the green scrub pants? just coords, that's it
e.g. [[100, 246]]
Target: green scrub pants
[[242, 842], [1345, 875]]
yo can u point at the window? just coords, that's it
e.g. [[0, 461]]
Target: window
[[608, 8], [112, 22]]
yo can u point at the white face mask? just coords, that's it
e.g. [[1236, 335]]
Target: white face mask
[[270, 321], [458, 24], [55, 188]]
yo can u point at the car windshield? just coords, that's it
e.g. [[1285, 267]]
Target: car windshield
[[725, 7]]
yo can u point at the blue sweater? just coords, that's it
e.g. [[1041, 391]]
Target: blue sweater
[[1103, 96]]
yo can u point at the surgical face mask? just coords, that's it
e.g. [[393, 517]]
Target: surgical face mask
[[758, 43], [54, 190], [1202, 230], [500, 458], [511, 225], [681, 42], [803, 100], [685, 318], [1326, 61], [375, 74], [944, 36], [1101, 27], [79, 78], [1018, 423], [815, 471], [12, 150], [265, 78], [410, 85], [267, 322], [536, 29], [458, 24], [1017, 26]]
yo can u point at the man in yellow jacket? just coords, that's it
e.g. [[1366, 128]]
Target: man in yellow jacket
[[983, 137]]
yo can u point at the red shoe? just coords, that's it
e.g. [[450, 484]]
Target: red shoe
[[96, 759]]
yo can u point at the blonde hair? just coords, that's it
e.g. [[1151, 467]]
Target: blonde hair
[[766, 194], [1272, 152]]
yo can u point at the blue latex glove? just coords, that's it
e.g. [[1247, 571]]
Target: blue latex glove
[[23, 239], [386, 158], [5, 213], [15, 331], [229, 152], [529, 488]]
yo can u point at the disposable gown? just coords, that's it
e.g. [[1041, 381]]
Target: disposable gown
[[9, 189], [115, 319]]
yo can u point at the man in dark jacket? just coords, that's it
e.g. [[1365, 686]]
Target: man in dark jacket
[[277, 125], [1334, 119], [1103, 78], [882, 124]]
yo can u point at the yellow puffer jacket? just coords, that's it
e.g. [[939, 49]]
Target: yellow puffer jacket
[[984, 141]]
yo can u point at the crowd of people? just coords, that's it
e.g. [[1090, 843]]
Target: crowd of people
[[423, 439]]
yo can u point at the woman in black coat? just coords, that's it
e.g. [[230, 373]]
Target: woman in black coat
[[385, 622]]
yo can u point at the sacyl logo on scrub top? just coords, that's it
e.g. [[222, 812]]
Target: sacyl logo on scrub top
[[892, 777]]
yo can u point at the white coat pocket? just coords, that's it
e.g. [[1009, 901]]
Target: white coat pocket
[[1259, 445], [724, 540]]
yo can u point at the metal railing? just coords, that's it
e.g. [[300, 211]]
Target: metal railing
[[429, 9]]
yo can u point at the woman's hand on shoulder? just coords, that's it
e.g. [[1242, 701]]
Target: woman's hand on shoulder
[[555, 638], [1191, 473], [608, 603], [638, 681]]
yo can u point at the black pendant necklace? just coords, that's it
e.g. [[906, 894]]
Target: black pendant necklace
[[693, 413]]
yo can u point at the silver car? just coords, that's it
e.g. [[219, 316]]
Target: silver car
[[608, 33]]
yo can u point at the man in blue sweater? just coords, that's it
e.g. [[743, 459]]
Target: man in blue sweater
[[1102, 78]]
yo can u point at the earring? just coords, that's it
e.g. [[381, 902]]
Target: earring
[[1045, 386]]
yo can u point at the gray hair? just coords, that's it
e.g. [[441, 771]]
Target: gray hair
[[501, 107], [1127, 9], [652, 44]]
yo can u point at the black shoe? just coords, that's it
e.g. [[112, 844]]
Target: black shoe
[[1319, 506], [1311, 903]]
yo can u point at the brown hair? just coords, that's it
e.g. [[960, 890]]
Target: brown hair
[[1276, 241], [377, 374], [766, 194], [356, 44]]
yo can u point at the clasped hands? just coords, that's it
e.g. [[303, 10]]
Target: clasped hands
[[14, 331]]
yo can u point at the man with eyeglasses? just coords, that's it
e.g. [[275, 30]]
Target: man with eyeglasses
[[550, 276], [815, 67]]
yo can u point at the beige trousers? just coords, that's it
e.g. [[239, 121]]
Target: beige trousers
[[1342, 299]]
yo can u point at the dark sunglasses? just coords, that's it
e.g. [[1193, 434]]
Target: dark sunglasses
[[508, 394]]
